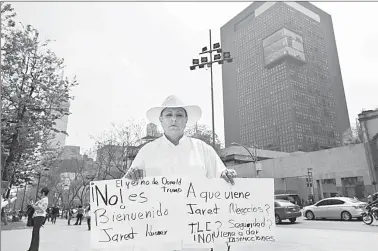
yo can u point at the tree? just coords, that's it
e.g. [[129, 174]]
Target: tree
[[202, 132], [116, 148], [353, 135], [33, 92], [86, 173], [7, 19]]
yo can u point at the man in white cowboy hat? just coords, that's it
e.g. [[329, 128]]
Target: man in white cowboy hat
[[174, 153]]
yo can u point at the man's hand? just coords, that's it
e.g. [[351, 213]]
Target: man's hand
[[134, 174], [229, 175]]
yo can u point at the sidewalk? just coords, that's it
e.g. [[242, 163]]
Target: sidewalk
[[58, 237], [61, 237]]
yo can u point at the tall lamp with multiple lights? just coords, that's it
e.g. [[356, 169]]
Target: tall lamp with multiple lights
[[220, 57]]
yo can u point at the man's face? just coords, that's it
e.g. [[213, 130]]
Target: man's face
[[173, 121]]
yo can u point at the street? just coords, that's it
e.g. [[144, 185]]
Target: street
[[304, 235]]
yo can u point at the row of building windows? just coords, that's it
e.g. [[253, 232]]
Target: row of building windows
[[263, 94]]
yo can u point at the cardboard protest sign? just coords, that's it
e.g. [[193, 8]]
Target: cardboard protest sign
[[141, 213], [218, 212], [170, 212]]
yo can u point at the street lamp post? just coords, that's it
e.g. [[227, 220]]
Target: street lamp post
[[310, 182], [253, 155], [219, 58]]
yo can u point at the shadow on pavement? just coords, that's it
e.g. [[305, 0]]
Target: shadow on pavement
[[334, 220], [288, 223]]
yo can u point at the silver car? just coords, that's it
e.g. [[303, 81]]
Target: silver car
[[335, 208]]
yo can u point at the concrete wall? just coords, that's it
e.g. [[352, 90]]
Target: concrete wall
[[369, 125], [290, 172]]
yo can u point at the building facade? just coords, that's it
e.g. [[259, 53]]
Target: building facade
[[369, 125], [235, 155], [59, 139], [70, 152], [284, 90], [338, 171]]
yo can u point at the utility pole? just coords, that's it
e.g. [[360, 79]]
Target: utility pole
[[310, 183], [218, 58], [212, 90]]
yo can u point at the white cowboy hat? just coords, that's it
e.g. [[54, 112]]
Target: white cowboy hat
[[194, 112]]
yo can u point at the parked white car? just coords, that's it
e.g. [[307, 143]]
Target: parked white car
[[335, 208]]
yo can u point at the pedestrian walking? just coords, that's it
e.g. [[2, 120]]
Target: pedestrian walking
[[38, 218], [69, 217], [54, 214], [4, 216], [80, 214], [88, 216], [48, 214]]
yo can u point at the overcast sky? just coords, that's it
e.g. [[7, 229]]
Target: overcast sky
[[130, 56]]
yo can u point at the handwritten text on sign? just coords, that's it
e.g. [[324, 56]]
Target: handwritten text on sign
[[219, 212], [199, 212], [127, 213]]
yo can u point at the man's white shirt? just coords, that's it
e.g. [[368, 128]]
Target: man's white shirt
[[191, 157]]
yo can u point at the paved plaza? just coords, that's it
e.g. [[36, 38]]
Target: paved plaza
[[303, 236]]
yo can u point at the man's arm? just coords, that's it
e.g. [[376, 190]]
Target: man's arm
[[215, 167]]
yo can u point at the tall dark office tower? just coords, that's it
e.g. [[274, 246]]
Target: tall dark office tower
[[284, 90]]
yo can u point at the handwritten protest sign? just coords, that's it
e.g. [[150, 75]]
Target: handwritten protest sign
[[219, 212], [142, 213], [171, 212]]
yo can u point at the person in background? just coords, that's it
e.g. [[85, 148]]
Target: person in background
[[369, 198], [54, 214], [4, 216], [79, 217], [48, 214], [69, 216], [4, 213], [29, 213], [88, 216], [38, 218]]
